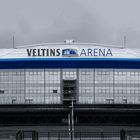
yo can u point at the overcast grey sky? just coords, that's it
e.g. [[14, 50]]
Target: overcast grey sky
[[100, 21]]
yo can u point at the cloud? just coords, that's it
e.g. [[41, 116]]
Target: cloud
[[84, 21]]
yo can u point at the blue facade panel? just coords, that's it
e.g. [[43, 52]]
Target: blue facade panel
[[69, 63]]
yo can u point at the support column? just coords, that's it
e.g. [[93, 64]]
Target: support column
[[35, 135], [72, 121], [122, 135], [19, 135]]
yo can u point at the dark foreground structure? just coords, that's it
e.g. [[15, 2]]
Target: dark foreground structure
[[69, 98]]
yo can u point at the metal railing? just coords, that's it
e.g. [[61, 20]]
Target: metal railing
[[65, 135]]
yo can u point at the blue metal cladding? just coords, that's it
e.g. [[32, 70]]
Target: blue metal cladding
[[69, 63]]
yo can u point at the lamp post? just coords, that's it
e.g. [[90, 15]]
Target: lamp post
[[71, 121]]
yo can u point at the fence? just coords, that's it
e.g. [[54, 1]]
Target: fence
[[65, 135]]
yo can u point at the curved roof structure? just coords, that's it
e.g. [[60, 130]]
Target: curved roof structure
[[72, 55], [117, 52]]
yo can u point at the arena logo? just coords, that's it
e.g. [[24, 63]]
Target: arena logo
[[52, 52], [70, 52], [101, 52], [104, 52], [43, 52]]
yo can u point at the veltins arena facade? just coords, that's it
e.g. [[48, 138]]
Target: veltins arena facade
[[89, 91]]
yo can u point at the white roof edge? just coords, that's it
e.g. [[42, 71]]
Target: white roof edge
[[75, 43]]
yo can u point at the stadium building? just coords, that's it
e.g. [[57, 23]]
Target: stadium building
[[64, 91]]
